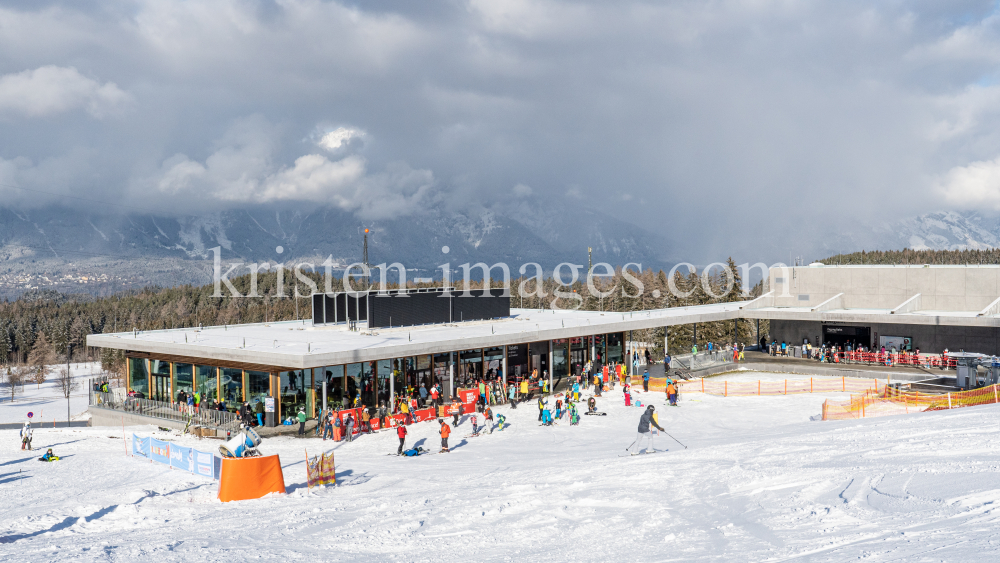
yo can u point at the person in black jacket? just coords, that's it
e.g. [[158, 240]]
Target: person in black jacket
[[645, 421]]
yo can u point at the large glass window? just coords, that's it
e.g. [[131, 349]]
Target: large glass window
[[615, 353], [353, 373], [469, 368], [368, 384], [208, 381], [560, 360], [138, 376], [441, 372], [494, 362], [293, 392], [232, 387], [334, 376], [160, 370], [384, 372], [183, 379], [258, 386]]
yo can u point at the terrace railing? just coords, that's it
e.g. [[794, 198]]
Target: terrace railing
[[117, 399]]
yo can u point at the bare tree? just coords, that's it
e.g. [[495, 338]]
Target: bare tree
[[67, 384], [42, 355], [14, 378]]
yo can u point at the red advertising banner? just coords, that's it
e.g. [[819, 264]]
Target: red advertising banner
[[468, 395], [424, 414]]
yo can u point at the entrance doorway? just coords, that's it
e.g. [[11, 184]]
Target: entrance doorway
[[854, 336]]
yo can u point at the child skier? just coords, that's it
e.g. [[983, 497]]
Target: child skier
[[445, 432], [26, 436], [672, 394], [576, 391], [475, 426], [501, 422], [574, 416], [488, 415], [559, 409]]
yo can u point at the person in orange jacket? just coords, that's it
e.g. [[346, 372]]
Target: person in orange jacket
[[672, 394], [445, 432]]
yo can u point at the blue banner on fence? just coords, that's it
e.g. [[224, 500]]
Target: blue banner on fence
[[180, 458], [159, 451], [140, 446], [191, 460]]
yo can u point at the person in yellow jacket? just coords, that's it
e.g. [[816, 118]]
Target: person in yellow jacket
[[524, 388]]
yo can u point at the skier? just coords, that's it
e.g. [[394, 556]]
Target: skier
[[643, 433], [541, 408], [501, 421], [576, 391], [574, 416], [445, 432], [350, 428], [546, 417], [475, 426], [302, 422], [456, 410], [488, 416], [401, 432], [513, 396], [26, 436], [628, 396], [672, 394], [645, 381]]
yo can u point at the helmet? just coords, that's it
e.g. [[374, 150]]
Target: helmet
[[650, 408]]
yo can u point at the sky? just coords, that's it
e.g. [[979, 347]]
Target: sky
[[694, 117]]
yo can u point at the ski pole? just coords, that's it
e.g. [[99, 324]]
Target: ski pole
[[636, 440], [675, 439]]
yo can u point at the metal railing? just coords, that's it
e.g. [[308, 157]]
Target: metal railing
[[702, 360], [117, 399]]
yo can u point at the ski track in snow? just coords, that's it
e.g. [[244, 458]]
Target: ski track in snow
[[759, 481]]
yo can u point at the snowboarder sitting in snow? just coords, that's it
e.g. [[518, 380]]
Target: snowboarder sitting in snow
[[49, 456], [591, 405], [414, 452]]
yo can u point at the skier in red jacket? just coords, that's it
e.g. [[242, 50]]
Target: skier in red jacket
[[401, 432]]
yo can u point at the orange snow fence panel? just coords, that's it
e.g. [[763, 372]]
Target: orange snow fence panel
[[250, 478], [761, 387], [891, 401]]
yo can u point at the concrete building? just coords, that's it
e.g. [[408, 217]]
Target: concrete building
[[909, 307]]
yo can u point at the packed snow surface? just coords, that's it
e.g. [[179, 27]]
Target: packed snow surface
[[46, 401], [760, 480]]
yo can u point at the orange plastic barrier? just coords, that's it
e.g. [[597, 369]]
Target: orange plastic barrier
[[250, 478], [892, 401], [760, 387]]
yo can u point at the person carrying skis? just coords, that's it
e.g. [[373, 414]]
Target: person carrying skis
[[401, 432], [672, 393], [26, 436], [643, 432], [445, 432], [488, 416]]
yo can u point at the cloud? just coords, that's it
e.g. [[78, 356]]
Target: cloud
[[50, 90], [339, 138], [244, 169], [522, 190], [973, 185]]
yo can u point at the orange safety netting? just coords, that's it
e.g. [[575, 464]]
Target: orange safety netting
[[780, 387], [890, 401]]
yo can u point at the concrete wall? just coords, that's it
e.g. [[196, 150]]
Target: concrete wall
[[941, 288], [928, 338], [108, 417]]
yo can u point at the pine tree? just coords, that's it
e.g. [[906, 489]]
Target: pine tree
[[42, 355]]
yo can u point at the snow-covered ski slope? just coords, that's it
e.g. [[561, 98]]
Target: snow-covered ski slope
[[46, 401], [760, 481]]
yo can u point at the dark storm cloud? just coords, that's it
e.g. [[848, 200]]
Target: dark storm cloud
[[721, 119]]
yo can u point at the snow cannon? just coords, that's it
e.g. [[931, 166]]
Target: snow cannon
[[243, 444]]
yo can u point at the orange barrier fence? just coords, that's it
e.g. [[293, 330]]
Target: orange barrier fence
[[250, 478], [891, 401], [759, 387]]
